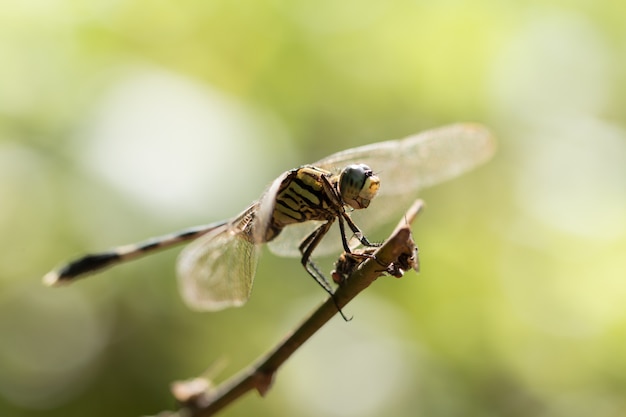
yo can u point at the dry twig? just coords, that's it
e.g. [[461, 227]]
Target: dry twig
[[199, 399]]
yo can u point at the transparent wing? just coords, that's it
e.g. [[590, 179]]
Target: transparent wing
[[288, 241], [404, 167], [410, 164], [217, 270]]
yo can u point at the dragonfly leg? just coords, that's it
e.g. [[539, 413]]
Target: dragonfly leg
[[344, 239], [334, 196], [357, 232], [306, 248]]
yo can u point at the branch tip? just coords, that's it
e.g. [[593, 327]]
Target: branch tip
[[191, 390]]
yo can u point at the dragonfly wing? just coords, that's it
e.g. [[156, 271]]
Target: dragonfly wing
[[217, 270], [407, 165], [418, 161], [288, 241]]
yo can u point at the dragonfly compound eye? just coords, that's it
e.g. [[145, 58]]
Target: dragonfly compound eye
[[358, 185]]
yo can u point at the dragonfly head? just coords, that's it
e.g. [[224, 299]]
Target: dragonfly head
[[358, 185]]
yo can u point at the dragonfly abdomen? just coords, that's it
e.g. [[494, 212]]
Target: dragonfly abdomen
[[92, 263]]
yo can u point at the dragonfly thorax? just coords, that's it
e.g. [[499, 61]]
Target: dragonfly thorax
[[358, 185]]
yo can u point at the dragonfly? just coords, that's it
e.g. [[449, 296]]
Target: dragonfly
[[299, 209]]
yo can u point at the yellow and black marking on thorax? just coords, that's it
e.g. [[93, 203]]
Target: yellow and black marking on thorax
[[306, 193]]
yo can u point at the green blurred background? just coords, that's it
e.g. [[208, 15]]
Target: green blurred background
[[121, 120]]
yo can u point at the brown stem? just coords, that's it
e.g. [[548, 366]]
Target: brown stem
[[197, 400]]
